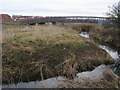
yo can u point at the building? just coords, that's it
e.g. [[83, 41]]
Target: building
[[5, 17], [38, 17], [20, 17]]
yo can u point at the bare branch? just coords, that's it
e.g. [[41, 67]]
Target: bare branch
[[114, 14]]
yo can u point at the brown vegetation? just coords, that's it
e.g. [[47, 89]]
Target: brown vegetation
[[103, 35], [40, 52]]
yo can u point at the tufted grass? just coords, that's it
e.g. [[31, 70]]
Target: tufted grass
[[40, 52]]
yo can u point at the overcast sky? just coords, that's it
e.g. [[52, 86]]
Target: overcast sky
[[56, 7]]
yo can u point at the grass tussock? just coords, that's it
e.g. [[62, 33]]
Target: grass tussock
[[40, 52], [83, 27], [109, 36]]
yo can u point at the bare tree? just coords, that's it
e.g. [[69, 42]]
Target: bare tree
[[114, 14]]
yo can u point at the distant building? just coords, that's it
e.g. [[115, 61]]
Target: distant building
[[5, 17], [38, 16], [20, 17]]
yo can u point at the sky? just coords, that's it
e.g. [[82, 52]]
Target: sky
[[56, 7]]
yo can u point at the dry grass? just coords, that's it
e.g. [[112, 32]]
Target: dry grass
[[103, 35], [84, 27], [40, 52]]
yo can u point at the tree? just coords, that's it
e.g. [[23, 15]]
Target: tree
[[114, 14]]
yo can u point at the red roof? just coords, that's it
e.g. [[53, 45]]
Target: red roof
[[20, 17], [5, 17]]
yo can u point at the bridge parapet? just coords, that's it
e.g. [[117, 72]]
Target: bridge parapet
[[66, 19]]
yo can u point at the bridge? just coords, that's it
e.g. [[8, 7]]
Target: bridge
[[65, 19]]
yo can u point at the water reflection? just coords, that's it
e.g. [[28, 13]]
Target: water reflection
[[52, 83], [48, 83], [23, 85], [114, 54], [84, 34]]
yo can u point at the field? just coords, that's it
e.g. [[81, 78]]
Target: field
[[39, 52]]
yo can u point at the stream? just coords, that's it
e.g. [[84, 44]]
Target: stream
[[84, 34], [37, 84], [114, 54]]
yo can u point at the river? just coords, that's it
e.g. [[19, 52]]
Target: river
[[114, 54]]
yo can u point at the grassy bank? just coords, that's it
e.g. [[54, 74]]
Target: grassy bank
[[107, 36], [104, 35], [82, 27], [40, 52]]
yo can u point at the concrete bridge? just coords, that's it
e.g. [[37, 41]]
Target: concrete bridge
[[65, 19]]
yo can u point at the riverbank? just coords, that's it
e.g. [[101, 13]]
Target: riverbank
[[101, 77], [41, 52], [107, 37], [103, 35]]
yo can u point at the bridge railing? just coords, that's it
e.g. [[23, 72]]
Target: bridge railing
[[66, 19]]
